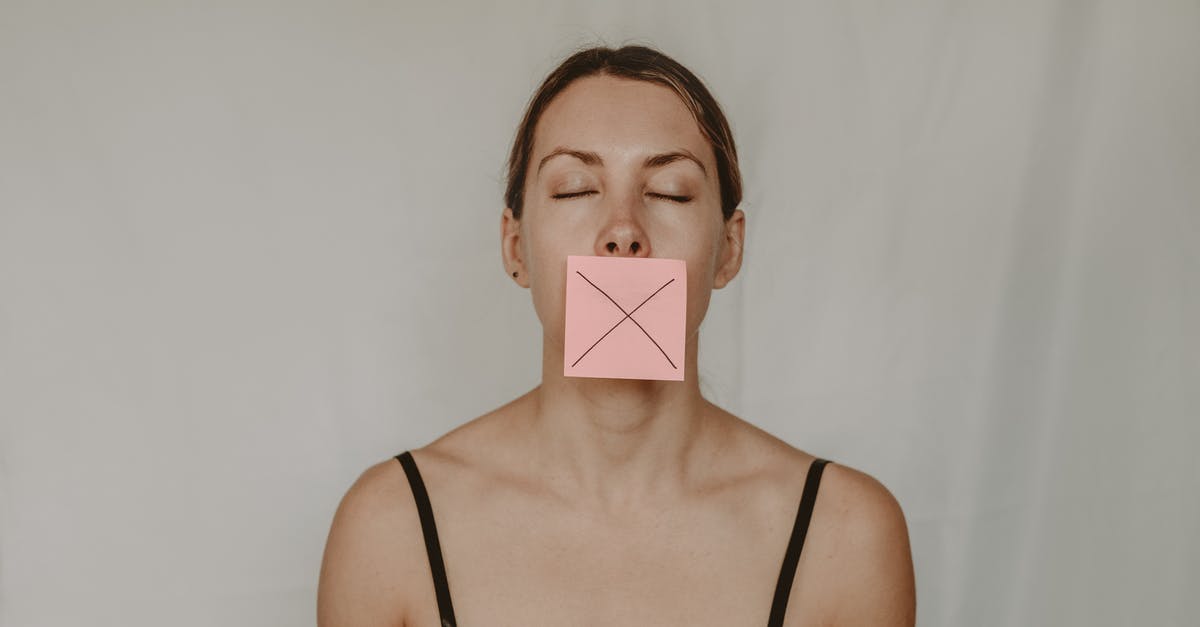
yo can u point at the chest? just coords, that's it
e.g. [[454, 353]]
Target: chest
[[534, 567]]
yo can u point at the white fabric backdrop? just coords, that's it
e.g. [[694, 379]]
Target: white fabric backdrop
[[248, 250]]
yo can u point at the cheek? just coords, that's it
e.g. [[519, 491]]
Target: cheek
[[547, 267], [701, 255], [697, 245], [699, 285], [548, 241]]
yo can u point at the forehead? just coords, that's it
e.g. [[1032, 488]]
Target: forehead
[[619, 117]]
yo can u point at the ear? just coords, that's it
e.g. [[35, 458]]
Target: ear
[[511, 248], [730, 259]]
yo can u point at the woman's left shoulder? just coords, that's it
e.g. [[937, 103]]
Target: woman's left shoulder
[[854, 496], [859, 498], [867, 537], [855, 506], [858, 535]]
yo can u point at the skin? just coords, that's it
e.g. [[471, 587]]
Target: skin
[[604, 502]]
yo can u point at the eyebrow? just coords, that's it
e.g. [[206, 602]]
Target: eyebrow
[[653, 161]]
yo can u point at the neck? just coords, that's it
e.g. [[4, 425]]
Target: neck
[[619, 444]]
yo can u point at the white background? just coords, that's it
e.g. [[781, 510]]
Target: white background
[[248, 249]]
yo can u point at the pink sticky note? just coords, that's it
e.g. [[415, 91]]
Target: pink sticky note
[[625, 317]]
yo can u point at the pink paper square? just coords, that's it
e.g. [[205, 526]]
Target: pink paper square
[[601, 341]]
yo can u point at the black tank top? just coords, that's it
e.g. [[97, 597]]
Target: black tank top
[[783, 586]]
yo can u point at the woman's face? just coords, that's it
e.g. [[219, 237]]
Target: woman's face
[[616, 162]]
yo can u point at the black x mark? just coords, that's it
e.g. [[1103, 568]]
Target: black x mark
[[628, 316]]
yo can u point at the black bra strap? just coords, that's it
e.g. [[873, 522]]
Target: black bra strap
[[787, 572], [432, 547]]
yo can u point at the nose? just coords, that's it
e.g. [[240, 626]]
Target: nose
[[623, 236], [616, 249]]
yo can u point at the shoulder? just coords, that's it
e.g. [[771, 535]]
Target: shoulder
[[374, 552], [853, 501], [857, 552], [872, 571]]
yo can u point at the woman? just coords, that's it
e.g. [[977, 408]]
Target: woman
[[617, 501]]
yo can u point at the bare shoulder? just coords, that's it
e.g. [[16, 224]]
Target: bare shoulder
[[857, 564], [374, 556], [869, 535]]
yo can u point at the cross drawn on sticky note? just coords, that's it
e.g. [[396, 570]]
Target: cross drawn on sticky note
[[628, 316]]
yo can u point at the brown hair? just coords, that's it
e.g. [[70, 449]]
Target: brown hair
[[639, 63]]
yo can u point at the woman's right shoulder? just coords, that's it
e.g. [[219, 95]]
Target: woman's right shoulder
[[374, 557]]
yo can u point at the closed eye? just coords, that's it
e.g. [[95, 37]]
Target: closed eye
[[679, 199], [572, 195]]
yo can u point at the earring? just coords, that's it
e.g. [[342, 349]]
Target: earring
[[514, 274]]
